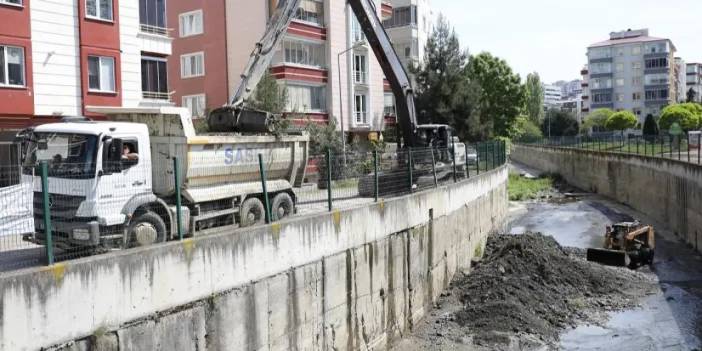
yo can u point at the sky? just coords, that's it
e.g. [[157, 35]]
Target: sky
[[551, 36]]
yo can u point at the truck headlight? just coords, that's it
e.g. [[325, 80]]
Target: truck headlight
[[81, 234]]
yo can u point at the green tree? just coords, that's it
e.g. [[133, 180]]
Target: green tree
[[621, 121], [525, 130], [650, 126], [678, 114], [443, 93], [559, 123], [534, 98], [693, 107], [502, 94], [269, 96], [596, 119], [691, 95]]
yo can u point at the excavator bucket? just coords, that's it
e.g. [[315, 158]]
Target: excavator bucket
[[608, 257]]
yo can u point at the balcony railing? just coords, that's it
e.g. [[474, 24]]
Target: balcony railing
[[156, 95], [360, 77], [362, 117], [145, 28]]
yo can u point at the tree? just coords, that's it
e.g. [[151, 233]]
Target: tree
[[691, 95], [502, 94], [525, 130], [559, 123], [534, 98], [269, 96], [678, 114], [621, 121], [693, 107], [650, 126], [443, 93], [596, 119]]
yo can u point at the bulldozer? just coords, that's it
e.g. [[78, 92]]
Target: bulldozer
[[626, 244]]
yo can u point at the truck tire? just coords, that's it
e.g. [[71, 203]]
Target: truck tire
[[146, 229], [283, 206], [252, 212]]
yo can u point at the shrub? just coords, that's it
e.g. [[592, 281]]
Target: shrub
[[621, 120], [678, 114]]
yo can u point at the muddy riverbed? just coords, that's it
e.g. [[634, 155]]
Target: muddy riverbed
[[669, 318]]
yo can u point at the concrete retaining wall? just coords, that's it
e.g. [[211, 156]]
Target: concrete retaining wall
[[669, 191], [346, 280]]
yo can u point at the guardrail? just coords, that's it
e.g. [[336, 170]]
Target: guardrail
[[46, 217]]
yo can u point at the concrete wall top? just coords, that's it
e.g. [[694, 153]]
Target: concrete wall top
[[67, 301]]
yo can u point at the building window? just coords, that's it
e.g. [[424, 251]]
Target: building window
[[636, 96], [99, 9], [402, 16], [360, 69], [11, 2], [620, 67], [620, 82], [602, 97], [389, 104], [191, 23], [101, 74], [11, 66], [361, 108], [311, 11], [357, 31], [196, 104], [597, 53], [620, 51], [601, 67], [620, 97], [659, 94], [601, 83], [636, 81], [304, 53], [637, 111], [636, 65], [636, 50], [192, 65], [656, 79], [154, 79], [657, 63], [306, 98], [152, 16], [656, 48]]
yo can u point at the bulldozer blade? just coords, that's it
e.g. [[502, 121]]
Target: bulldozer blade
[[608, 257]]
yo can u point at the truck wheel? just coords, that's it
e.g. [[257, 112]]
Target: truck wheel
[[283, 206], [252, 212], [146, 229]]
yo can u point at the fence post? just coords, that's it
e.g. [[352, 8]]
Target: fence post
[[699, 148], [494, 154], [467, 165], [266, 203], [687, 148], [329, 180], [433, 169], [477, 158], [47, 214], [375, 174], [661, 146], [409, 168], [179, 214], [679, 146], [455, 170]]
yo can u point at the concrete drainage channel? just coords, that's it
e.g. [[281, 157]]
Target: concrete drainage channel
[[656, 308]]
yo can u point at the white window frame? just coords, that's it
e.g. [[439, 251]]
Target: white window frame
[[182, 65], [97, 11], [360, 74], [363, 113], [7, 2], [114, 76], [323, 99], [195, 97], [5, 82], [181, 23]]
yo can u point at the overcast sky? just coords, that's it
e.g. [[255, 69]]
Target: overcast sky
[[551, 36]]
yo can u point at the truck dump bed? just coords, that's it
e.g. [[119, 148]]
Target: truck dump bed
[[214, 166]]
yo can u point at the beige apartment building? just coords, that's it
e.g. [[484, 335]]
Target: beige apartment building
[[328, 68]]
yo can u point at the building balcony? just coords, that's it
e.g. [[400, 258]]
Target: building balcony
[[360, 77], [601, 75], [385, 10], [148, 29], [600, 59], [584, 84], [155, 40], [656, 55], [595, 105], [285, 71], [156, 95]]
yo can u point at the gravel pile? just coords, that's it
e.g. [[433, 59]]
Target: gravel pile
[[530, 285]]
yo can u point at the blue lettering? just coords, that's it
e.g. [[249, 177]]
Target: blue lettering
[[238, 156], [228, 156]]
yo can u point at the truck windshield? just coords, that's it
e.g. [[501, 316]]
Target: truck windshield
[[68, 155]]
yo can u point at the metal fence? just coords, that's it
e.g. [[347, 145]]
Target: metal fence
[[54, 210], [681, 148]]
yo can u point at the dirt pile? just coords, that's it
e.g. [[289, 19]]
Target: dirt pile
[[530, 285]]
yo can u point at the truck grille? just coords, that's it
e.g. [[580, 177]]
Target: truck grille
[[60, 206]]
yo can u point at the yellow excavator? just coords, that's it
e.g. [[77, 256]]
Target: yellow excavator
[[626, 244]]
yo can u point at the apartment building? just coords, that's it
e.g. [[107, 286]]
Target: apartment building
[[552, 95], [585, 97], [694, 81], [324, 62], [59, 57], [632, 71], [409, 28]]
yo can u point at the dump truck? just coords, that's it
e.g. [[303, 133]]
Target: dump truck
[[625, 244], [111, 183]]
